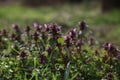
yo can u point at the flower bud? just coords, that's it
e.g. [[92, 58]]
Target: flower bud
[[73, 33], [67, 41], [109, 47], [82, 25], [35, 36], [37, 27], [27, 29], [16, 27], [91, 42], [47, 27], [80, 43], [4, 32]]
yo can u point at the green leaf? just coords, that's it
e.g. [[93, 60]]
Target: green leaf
[[42, 42], [67, 71], [67, 52], [52, 43], [54, 77], [25, 77], [61, 41], [74, 76], [35, 62]]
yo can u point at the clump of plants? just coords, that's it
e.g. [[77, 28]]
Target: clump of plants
[[46, 53]]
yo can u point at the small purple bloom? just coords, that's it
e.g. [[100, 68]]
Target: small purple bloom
[[67, 40], [80, 43], [37, 27], [35, 24], [47, 27], [110, 48], [4, 32], [58, 28], [35, 36], [82, 25], [91, 42], [17, 29], [13, 37], [73, 33]]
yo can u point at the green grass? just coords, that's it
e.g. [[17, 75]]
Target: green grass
[[67, 14]]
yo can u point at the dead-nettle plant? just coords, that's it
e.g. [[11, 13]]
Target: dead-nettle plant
[[45, 52]]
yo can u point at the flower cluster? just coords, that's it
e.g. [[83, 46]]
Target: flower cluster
[[111, 49], [45, 52]]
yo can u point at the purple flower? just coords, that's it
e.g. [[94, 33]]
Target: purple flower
[[4, 32], [58, 28], [111, 49], [27, 29], [13, 37], [67, 40], [35, 36], [73, 33], [35, 24], [80, 43], [47, 27], [55, 28], [37, 27], [16, 27], [91, 42], [82, 25]]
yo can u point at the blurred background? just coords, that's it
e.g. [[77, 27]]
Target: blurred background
[[103, 16]]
